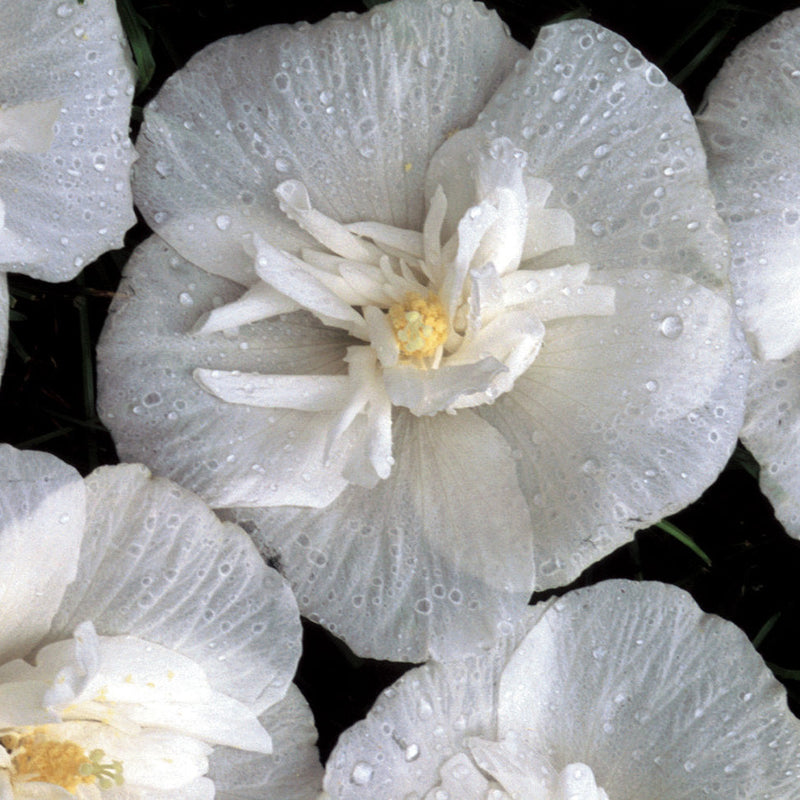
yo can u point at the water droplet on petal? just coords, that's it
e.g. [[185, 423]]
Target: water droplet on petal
[[671, 327], [223, 222], [361, 774]]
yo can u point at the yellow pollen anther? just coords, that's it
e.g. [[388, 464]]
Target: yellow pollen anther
[[37, 757], [420, 325]]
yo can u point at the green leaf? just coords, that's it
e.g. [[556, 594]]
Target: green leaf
[[685, 539], [134, 26]]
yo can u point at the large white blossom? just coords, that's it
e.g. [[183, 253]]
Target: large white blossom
[[621, 690], [751, 125], [66, 87], [146, 650], [439, 320]]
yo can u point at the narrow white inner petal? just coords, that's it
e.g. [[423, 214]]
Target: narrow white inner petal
[[295, 203], [28, 127], [471, 228], [548, 229], [257, 303], [290, 276], [432, 235], [387, 236], [300, 392], [382, 336]]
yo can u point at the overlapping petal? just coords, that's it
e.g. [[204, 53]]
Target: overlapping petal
[[750, 122], [623, 687], [66, 87], [353, 106], [42, 510]]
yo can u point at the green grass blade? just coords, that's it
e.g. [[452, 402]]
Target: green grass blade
[[134, 27], [685, 539]]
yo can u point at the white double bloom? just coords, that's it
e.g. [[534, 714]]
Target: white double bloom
[[447, 322]]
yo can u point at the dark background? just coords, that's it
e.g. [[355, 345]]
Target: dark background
[[47, 392]]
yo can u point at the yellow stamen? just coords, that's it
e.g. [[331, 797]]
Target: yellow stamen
[[37, 757], [420, 325]]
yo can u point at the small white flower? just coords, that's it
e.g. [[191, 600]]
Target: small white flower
[[192, 668], [66, 87], [442, 322], [621, 690]]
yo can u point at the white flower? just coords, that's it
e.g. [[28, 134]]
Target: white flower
[[621, 690], [439, 311], [750, 123], [185, 691], [66, 86]]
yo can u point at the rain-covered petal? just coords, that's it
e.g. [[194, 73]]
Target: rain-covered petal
[[628, 417], [631, 172], [231, 455], [42, 511], [291, 772], [155, 549], [750, 123], [66, 86], [620, 690], [301, 103], [424, 563]]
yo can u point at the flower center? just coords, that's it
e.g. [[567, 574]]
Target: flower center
[[36, 757], [420, 325]]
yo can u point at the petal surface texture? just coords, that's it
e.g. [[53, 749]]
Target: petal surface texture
[[421, 309], [42, 511], [66, 87], [619, 690], [750, 123]]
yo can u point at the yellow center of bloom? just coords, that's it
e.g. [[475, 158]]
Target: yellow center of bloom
[[37, 757], [420, 325]]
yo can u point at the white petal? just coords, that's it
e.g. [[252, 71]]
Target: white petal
[[381, 336], [259, 302], [429, 391], [72, 202], [772, 433], [387, 78], [626, 668], [300, 392], [548, 229], [397, 239], [286, 274], [630, 416], [622, 154], [418, 725], [42, 511], [559, 292], [159, 414], [433, 558], [21, 704], [28, 127], [748, 124], [294, 201], [291, 772], [160, 566]]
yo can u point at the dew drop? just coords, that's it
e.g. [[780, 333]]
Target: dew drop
[[361, 774], [223, 222], [411, 752], [671, 327], [64, 10], [185, 299]]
